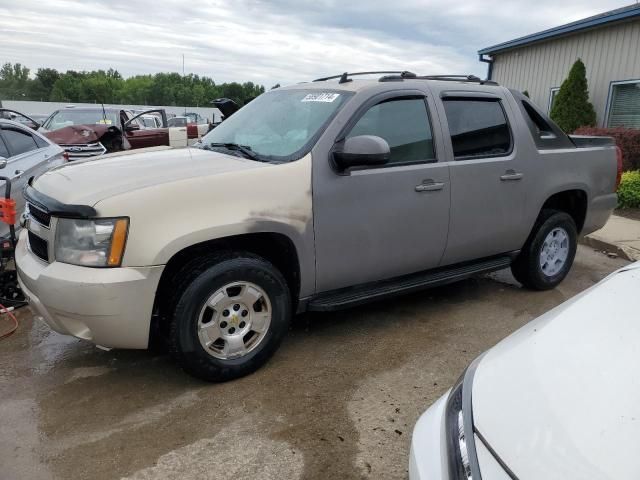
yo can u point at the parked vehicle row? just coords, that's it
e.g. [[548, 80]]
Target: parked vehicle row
[[91, 131], [317, 196]]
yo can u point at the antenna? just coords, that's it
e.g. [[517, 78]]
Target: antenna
[[104, 114]]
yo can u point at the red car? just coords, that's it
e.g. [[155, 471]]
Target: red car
[[90, 131]]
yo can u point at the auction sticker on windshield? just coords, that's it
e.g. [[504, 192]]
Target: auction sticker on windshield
[[321, 97]]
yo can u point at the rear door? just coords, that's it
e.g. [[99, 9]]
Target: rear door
[[377, 223], [487, 176]]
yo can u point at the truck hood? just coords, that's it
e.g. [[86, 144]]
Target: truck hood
[[79, 134], [560, 398], [88, 182]]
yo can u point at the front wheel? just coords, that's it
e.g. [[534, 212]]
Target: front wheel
[[547, 256], [231, 316]]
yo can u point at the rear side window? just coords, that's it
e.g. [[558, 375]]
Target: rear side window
[[546, 134], [19, 141], [3, 149], [41, 142], [541, 125], [478, 128], [404, 124]]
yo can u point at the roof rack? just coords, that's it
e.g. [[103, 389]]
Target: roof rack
[[391, 76], [344, 77], [443, 78]]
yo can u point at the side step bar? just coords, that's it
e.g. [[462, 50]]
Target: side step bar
[[352, 296]]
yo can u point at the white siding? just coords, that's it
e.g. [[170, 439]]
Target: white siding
[[610, 53]]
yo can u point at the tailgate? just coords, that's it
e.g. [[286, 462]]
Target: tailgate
[[586, 141]]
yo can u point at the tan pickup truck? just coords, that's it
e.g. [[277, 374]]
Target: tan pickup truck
[[317, 196]]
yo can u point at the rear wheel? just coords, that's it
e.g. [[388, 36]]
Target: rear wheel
[[230, 316], [547, 256]]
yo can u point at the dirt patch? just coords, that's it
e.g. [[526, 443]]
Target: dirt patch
[[632, 213]]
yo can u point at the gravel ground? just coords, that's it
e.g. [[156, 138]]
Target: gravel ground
[[338, 400]]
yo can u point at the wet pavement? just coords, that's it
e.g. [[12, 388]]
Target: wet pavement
[[338, 400]]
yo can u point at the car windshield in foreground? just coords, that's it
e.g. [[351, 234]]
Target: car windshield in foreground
[[66, 118], [278, 126]]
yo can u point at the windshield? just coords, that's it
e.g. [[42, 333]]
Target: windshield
[[279, 125], [66, 118]]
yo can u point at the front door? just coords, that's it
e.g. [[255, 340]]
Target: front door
[[140, 136], [377, 223], [487, 178]]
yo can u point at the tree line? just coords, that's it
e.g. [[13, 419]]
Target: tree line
[[100, 86]]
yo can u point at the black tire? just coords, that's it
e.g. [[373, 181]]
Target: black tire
[[197, 281], [526, 268]]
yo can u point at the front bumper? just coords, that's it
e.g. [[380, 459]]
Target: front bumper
[[428, 457], [110, 307]]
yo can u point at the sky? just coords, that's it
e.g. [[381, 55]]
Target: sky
[[277, 41]]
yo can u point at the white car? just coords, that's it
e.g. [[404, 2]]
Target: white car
[[558, 399]]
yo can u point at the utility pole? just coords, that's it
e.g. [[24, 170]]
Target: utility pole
[[185, 107]]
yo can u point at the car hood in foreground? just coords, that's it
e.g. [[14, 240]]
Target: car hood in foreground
[[560, 398], [90, 181]]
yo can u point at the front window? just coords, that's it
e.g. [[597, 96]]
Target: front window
[[404, 124], [177, 122], [67, 118], [280, 125], [149, 122], [624, 109]]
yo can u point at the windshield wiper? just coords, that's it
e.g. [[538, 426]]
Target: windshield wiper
[[234, 147]]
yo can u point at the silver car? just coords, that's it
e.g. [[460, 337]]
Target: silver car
[[24, 154]]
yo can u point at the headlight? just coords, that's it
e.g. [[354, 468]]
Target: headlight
[[91, 243], [461, 449], [459, 466]]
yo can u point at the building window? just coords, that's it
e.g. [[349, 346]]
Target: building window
[[553, 96], [624, 104]]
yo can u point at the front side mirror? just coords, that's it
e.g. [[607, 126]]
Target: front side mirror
[[363, 150], [3, 162], [131, 127]]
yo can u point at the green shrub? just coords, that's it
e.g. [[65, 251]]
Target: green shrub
[[571, 108], [629, 190]]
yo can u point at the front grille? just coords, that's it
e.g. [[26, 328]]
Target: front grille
[[39, 247], [40, 216], [86, 150]]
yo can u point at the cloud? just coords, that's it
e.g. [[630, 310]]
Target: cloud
[[275, 41]]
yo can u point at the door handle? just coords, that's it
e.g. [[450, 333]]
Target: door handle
[[429, 186], [18, 173], [511, 175]]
